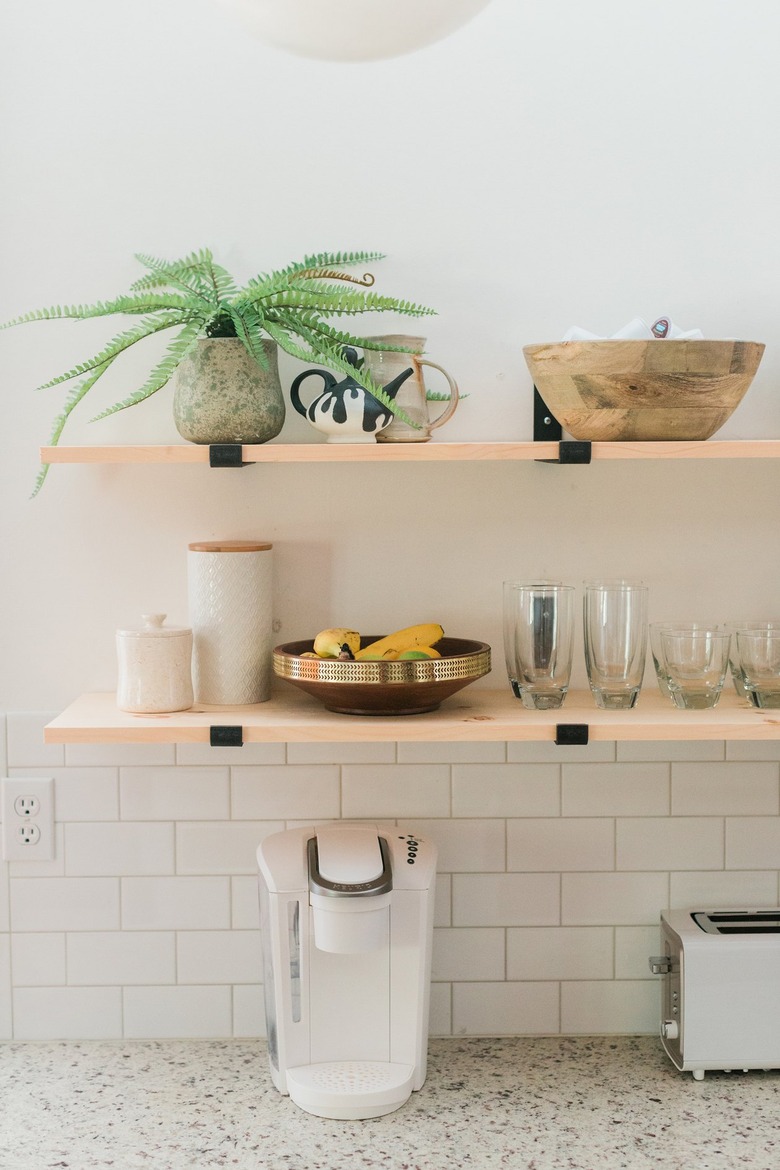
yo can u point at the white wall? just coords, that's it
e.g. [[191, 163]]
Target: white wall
[[550, 164]]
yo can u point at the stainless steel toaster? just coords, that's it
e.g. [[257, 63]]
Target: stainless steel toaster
[[720, 996]]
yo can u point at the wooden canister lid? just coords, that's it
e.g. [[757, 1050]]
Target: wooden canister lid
[[229, 546]]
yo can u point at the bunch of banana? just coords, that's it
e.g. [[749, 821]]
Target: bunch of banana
[[411, 642]]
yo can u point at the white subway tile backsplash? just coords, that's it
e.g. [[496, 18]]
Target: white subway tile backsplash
[[666, 750], [26, 748], [506, 790], [395, 790], [620, 790], [6, 1023], [175, 903], [465, 846], [506, 899], [339, 753], [560, 952], [219, 956], [440, 1017], [115, 755], [65, 903], [245, 903], [725, 789], [451, 753], [38, 960], [668, 843], [603, 899], [468, 953], [561, 843], [610, 1007], [504, 1009], [554, 866], [228, 847], [121, 957], [174, 794], [293, 791], [752, 842], [547, 752], [178, 1012], [101, 849], [727, 888], [67, 1013], [248, 1010], [190, 754], [633, 947]]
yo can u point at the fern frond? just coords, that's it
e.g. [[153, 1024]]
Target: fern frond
[[117, 345], [311, 321], [329, 260], [72, 401], [161, 373], [249, 330], [186, 275], [338, 304]]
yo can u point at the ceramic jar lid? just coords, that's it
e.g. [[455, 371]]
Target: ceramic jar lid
[[230, 546], [153, 628]]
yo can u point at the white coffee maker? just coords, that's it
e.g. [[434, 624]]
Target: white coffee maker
[[346, 913]]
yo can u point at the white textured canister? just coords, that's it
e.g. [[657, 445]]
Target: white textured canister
[[155, 667], [230, 592]]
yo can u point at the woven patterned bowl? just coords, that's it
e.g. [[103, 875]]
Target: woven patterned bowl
[[643, 390], [407, 687]]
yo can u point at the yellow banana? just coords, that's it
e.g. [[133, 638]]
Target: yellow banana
[[409, 638], [332, 643]]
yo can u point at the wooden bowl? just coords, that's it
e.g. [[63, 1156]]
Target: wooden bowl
[[643, 390], [406, 687]]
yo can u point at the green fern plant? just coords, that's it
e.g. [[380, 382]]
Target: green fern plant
[[199, 298]]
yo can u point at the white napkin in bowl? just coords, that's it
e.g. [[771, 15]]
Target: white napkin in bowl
[[638, 330]]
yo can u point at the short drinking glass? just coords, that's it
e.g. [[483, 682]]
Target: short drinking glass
[[538, 642], [758, 655], [656, 629], [737, 673], [696, 662], [615, 629]]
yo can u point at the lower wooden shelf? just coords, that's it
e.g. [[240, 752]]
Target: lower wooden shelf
[[476, 714]]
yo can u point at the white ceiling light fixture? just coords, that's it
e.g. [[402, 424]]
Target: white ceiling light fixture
[[352, 30]]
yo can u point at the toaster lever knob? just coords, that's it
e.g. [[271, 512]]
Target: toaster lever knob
[[660, 964], [670, 1030]]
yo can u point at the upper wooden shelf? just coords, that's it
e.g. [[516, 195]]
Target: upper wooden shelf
[[413, 452], [476, 714]]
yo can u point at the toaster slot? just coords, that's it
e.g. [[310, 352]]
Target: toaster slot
[[739, 922]]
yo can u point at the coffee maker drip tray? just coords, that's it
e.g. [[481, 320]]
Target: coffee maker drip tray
[[350, 1090]]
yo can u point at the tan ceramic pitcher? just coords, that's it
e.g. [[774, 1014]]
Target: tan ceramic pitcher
[[387, 364]]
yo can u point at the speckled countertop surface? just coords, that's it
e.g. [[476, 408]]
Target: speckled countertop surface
[[546, 1103]]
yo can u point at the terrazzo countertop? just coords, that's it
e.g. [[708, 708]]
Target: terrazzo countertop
[[540, 1103]]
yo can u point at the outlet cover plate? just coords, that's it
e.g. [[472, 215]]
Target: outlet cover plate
[[27, 811]]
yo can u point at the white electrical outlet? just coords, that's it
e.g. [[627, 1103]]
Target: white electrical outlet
[[27, 811]]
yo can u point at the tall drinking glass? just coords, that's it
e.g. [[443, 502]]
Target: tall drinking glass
[[538, 642], [615, 629]]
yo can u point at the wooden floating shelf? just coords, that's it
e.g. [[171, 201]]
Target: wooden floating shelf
[[432, 452], [478, 714]]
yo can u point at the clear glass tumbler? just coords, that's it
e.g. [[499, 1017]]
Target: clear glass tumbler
[[696, 663], [656, 629], [735, 628], [538, 642], [615, 629], [758, 656]]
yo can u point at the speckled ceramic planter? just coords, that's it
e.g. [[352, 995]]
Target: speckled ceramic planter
[[223, 396]]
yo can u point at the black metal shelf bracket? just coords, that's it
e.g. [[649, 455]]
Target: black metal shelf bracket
[[547, 428], [571, 734], [226, 455], [226, 736]]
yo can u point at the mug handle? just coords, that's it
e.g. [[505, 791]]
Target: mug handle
[[448, 412], [328, 382]]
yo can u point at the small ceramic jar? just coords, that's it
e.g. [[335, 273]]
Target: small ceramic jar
[[155, 667]]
